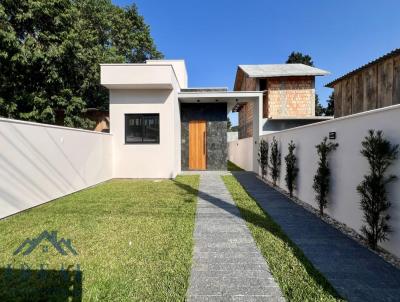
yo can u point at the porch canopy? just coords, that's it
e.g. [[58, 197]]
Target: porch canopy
[[233, 99]]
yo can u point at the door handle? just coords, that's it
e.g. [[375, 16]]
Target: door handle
[[204, 144]]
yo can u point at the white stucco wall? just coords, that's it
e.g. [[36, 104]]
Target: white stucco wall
[[347, 165], [146, 160], [40, 162], [232, 136], [179, 67], [240, 152]]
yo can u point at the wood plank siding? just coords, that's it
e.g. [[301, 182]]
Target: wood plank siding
[[246, 113], [375, 86]]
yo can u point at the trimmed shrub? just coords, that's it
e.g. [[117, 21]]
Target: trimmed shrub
[[374, 202], [263, 157], [275, 160], [291, 168], [322, 176]]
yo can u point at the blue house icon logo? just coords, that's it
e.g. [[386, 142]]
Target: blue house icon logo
[[62, 246]]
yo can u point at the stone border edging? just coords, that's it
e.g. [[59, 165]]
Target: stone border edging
[[343, 228]]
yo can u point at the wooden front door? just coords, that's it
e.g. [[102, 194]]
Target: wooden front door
[[197, 145]]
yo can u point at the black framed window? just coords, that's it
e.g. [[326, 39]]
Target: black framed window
[[142, 128]]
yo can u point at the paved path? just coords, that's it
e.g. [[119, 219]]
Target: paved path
[[355, 272], [227, 266]]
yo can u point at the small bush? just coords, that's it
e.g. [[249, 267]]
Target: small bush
[[291, 168], [322, 177], [275, 160], [374, 203], [263, 157]]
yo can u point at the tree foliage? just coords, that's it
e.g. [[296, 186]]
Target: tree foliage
[[374, 202], [229, 124], [319, 110], [330, 106], [50, 51], [322, 177], [275, 160], [291, 168], [263, 157], [298, 57]]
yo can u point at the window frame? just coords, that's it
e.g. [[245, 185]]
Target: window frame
[[142, 116]]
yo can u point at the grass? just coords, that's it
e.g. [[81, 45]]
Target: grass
[[296, 276], [133, 239], [232, 167]]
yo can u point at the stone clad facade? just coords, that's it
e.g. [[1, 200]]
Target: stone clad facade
[[215, 114], [290, 97]]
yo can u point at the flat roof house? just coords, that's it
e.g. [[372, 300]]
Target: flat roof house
[[371, 86], [288, 96], [161, 127]]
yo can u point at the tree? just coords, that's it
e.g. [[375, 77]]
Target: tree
[[298, 57], [229, 124], [374, 202], [275, 160], [263, 157], [322, 177], [319, 110], [330, 107], [50, 51], [291, 168]]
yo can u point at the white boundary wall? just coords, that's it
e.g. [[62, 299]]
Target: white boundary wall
[[347, 165], [240, 152], [39, 163]]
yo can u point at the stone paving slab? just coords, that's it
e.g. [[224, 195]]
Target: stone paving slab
[[354, 271], [227, 266]]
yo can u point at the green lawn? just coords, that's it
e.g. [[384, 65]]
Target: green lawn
[[133, 239], [297, 278], [232, 167]]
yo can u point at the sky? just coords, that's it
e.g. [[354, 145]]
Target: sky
[[214, 37]]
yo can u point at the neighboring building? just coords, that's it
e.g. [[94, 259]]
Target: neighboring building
[[100, 117], [160, 126], [288, 96], [374, 85]]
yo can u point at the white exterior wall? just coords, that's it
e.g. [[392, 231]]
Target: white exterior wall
[[347, 165], [240, 152], [146, 160], [179, 67], [244, 152], [145, 88], [40, 162], [232, 136]]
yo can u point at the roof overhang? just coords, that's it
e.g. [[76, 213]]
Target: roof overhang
[[281, 70], [232, 98], [353, 72], [137, 76]]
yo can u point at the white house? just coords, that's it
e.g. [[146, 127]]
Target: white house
[[161, 127]]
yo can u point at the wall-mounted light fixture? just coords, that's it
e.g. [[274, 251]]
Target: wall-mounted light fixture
[[332, 135]]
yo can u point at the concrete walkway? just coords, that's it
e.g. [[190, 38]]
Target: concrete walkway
[[355, 272], [227, 266]]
